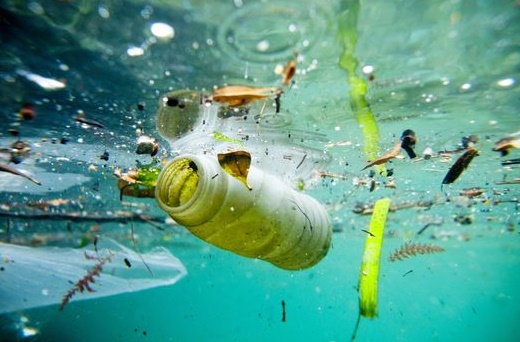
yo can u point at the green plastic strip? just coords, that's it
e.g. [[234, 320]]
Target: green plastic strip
[[369, 275], [347, 32]]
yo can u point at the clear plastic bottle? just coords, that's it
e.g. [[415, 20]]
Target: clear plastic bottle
[[272, 221], [190, 126]]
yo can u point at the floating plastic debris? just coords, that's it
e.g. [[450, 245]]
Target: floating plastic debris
[[506, 82], [135, 51], [44, 82], [266, 219], [162, 30], [147, 145], [35, 277]]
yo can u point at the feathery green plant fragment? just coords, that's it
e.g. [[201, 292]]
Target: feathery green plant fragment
[[369, 275]]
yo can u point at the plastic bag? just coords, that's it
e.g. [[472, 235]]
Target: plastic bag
[[33, 277]]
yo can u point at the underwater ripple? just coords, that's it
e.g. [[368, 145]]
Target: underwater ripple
[[269, 32]]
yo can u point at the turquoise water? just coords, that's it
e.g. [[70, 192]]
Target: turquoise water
[[446, 69]]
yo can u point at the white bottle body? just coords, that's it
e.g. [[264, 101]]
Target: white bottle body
[[272, 222]]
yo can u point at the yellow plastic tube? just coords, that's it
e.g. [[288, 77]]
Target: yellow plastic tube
[[369, 275], [271, 221]]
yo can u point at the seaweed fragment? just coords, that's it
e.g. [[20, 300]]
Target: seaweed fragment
[[85, 282], [410, 249], [383, 159], [236, 96], [460, 165]]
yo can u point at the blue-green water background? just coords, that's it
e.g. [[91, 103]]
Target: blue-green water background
[[425, 55]]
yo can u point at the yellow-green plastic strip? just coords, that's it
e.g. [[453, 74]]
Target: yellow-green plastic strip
[[347, 33], [369, 274]]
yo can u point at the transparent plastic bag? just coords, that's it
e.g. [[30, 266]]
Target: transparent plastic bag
[[33, 277]]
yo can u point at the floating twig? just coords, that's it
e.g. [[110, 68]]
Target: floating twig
[[367, 209], [410, 249], [420, 231], [513, 181], [325, 174], [510, 162], [301, 162], [407, 273], [80, 117], [132, 236], [81, 216], [368, 232]]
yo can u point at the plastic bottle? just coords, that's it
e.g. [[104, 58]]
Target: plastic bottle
[[271, 221]]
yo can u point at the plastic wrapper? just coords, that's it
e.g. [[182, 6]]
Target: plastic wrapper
[[33, 277]]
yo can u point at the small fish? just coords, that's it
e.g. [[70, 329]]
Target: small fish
[[460, 165], [235, 96], [6, 168]]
